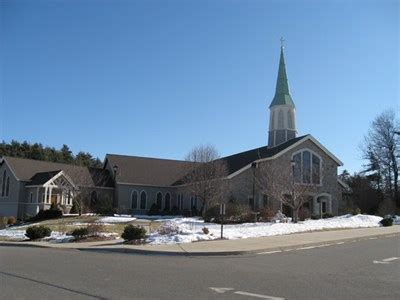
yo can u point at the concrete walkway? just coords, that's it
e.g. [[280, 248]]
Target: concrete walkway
[[228, 247]]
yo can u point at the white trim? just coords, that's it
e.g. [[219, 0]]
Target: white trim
[[12, 171], [59, 174], [311, 162], [307, 137], [143, 184]]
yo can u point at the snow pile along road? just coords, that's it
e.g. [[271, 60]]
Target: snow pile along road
[[186, 230], [117, 219]]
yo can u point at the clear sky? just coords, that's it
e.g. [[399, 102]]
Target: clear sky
[[156, 78]]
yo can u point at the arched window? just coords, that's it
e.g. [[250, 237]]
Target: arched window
[[7, 186], [159, 200], [307, 167], [180, 201], [143, 200], [193, 202], [280, 120], [3, 185], [290, 119], [167, 204], [134, 200]]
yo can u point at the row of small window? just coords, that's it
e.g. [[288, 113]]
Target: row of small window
[[68, 200], [307, 168], [5, 185], [166, 204]]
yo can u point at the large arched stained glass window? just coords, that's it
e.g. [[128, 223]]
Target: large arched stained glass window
[[307, 167]]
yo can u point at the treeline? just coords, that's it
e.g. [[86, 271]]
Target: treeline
[[39, 152], [376, 188]]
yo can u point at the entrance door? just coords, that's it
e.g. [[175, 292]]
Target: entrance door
[[53, 199]]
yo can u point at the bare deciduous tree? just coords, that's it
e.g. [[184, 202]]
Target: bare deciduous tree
[[278, 183], [205, 176], [381, 148]]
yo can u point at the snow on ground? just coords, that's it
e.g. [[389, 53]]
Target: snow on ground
[[117, 219], [156, 218], [186, 230], [19, 235]]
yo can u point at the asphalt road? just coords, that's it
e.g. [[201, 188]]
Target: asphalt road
[[367, 269]]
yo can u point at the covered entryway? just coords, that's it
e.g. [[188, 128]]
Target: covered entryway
[[322, 204], [53, 188]]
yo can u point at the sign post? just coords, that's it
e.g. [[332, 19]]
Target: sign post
[[222, 214]]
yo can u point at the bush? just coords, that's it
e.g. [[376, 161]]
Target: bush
[[132, 232], [387, 221], [169, 228], [304, 213], [11, 220], [80, 233], [37, 232], [235, 214], [3, 222], [267, 214], [153, 210], [327, 215], [205, 230], [356, 211], [47, 215], [105, 210], [314, 217], [95, 229]]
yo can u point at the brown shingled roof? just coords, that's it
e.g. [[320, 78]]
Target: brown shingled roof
[[25, 170], [148, 171]]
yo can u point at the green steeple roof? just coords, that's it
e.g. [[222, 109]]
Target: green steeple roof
[[282, 95]]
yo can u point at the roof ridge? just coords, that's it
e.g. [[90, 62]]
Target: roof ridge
[[145, 157], [42, 161]]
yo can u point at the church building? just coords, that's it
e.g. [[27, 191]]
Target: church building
[[135, 183]]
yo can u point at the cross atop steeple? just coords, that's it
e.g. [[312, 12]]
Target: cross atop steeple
[[282, 40]]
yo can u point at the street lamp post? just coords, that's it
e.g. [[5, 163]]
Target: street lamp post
[[293, 164], [254, 166]]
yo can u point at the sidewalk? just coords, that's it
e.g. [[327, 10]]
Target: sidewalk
[[228, 247]]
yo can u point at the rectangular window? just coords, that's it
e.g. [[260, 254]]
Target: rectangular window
[[306, 167], [31, 198], [265, 200], [251, 203], [316, 167]]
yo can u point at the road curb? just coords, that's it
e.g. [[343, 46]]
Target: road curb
[[239, 252], [186, 253]]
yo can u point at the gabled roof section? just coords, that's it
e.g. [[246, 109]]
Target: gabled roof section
[[25, 170], [282, 94], [237, 161], [148, 171], [42, 177]]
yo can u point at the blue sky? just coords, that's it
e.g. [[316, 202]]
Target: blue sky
[[156, 78]]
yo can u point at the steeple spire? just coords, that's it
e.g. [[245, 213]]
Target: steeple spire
[[282, 94], [282, 120]]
